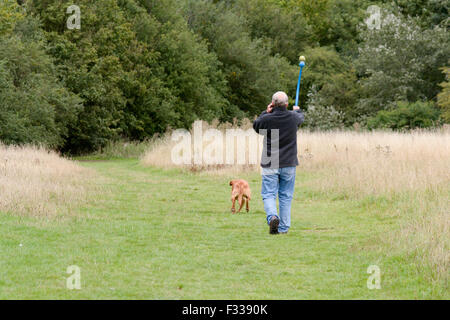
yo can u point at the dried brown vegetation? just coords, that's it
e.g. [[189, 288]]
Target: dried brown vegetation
[[37, 182]]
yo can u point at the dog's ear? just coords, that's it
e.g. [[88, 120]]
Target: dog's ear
[[231, 182]]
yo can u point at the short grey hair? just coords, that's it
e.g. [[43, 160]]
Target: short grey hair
[[280, 99]]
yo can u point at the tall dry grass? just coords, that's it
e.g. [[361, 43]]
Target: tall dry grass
[[376, 163], [411, 169], [159, 153], [37, 182], [356, 163]]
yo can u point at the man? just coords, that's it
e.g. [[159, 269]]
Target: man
[[279, 126]]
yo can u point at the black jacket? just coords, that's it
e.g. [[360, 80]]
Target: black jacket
[[287, 122]]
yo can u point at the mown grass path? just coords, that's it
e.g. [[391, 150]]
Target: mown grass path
[[169, 235]]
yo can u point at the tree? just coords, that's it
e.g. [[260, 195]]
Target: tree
[[34, 105], [444, 96], [400, 61], [91, 64], [334, 79], [430, 13], [188, 69], [332, 22], [251, 72], [10, 15], [136, 65], [285, 31]]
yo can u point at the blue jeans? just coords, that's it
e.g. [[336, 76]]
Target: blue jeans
[[278, 181]]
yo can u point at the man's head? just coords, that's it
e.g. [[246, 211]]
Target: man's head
[[280, 99]]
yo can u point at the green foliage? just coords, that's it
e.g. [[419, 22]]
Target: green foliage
[[93, 62], [444, 96], [333, 77], [320, 116], [430, 12], [137, 67], [10, 15], [400, 61], [286, 32], [332, 22], [188, 69], [34, 105], [252, 73], [406, 116], [342, 90]]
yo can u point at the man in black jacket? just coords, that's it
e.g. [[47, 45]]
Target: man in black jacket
[[279, 159]]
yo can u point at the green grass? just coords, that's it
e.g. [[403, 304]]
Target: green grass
[[170, 235]]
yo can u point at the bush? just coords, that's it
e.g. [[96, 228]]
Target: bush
[[320, 116], [406, 116]]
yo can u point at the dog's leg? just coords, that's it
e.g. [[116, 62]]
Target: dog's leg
[[241, 202], [246, 206], [233, 200]]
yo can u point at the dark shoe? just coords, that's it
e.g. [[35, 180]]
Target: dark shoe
[[274, 222]]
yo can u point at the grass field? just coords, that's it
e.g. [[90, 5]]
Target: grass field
[[168, 234]]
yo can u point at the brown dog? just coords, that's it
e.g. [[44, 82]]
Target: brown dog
[[240, 190]]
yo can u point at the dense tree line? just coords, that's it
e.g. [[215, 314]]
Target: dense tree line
[[138, 67]]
